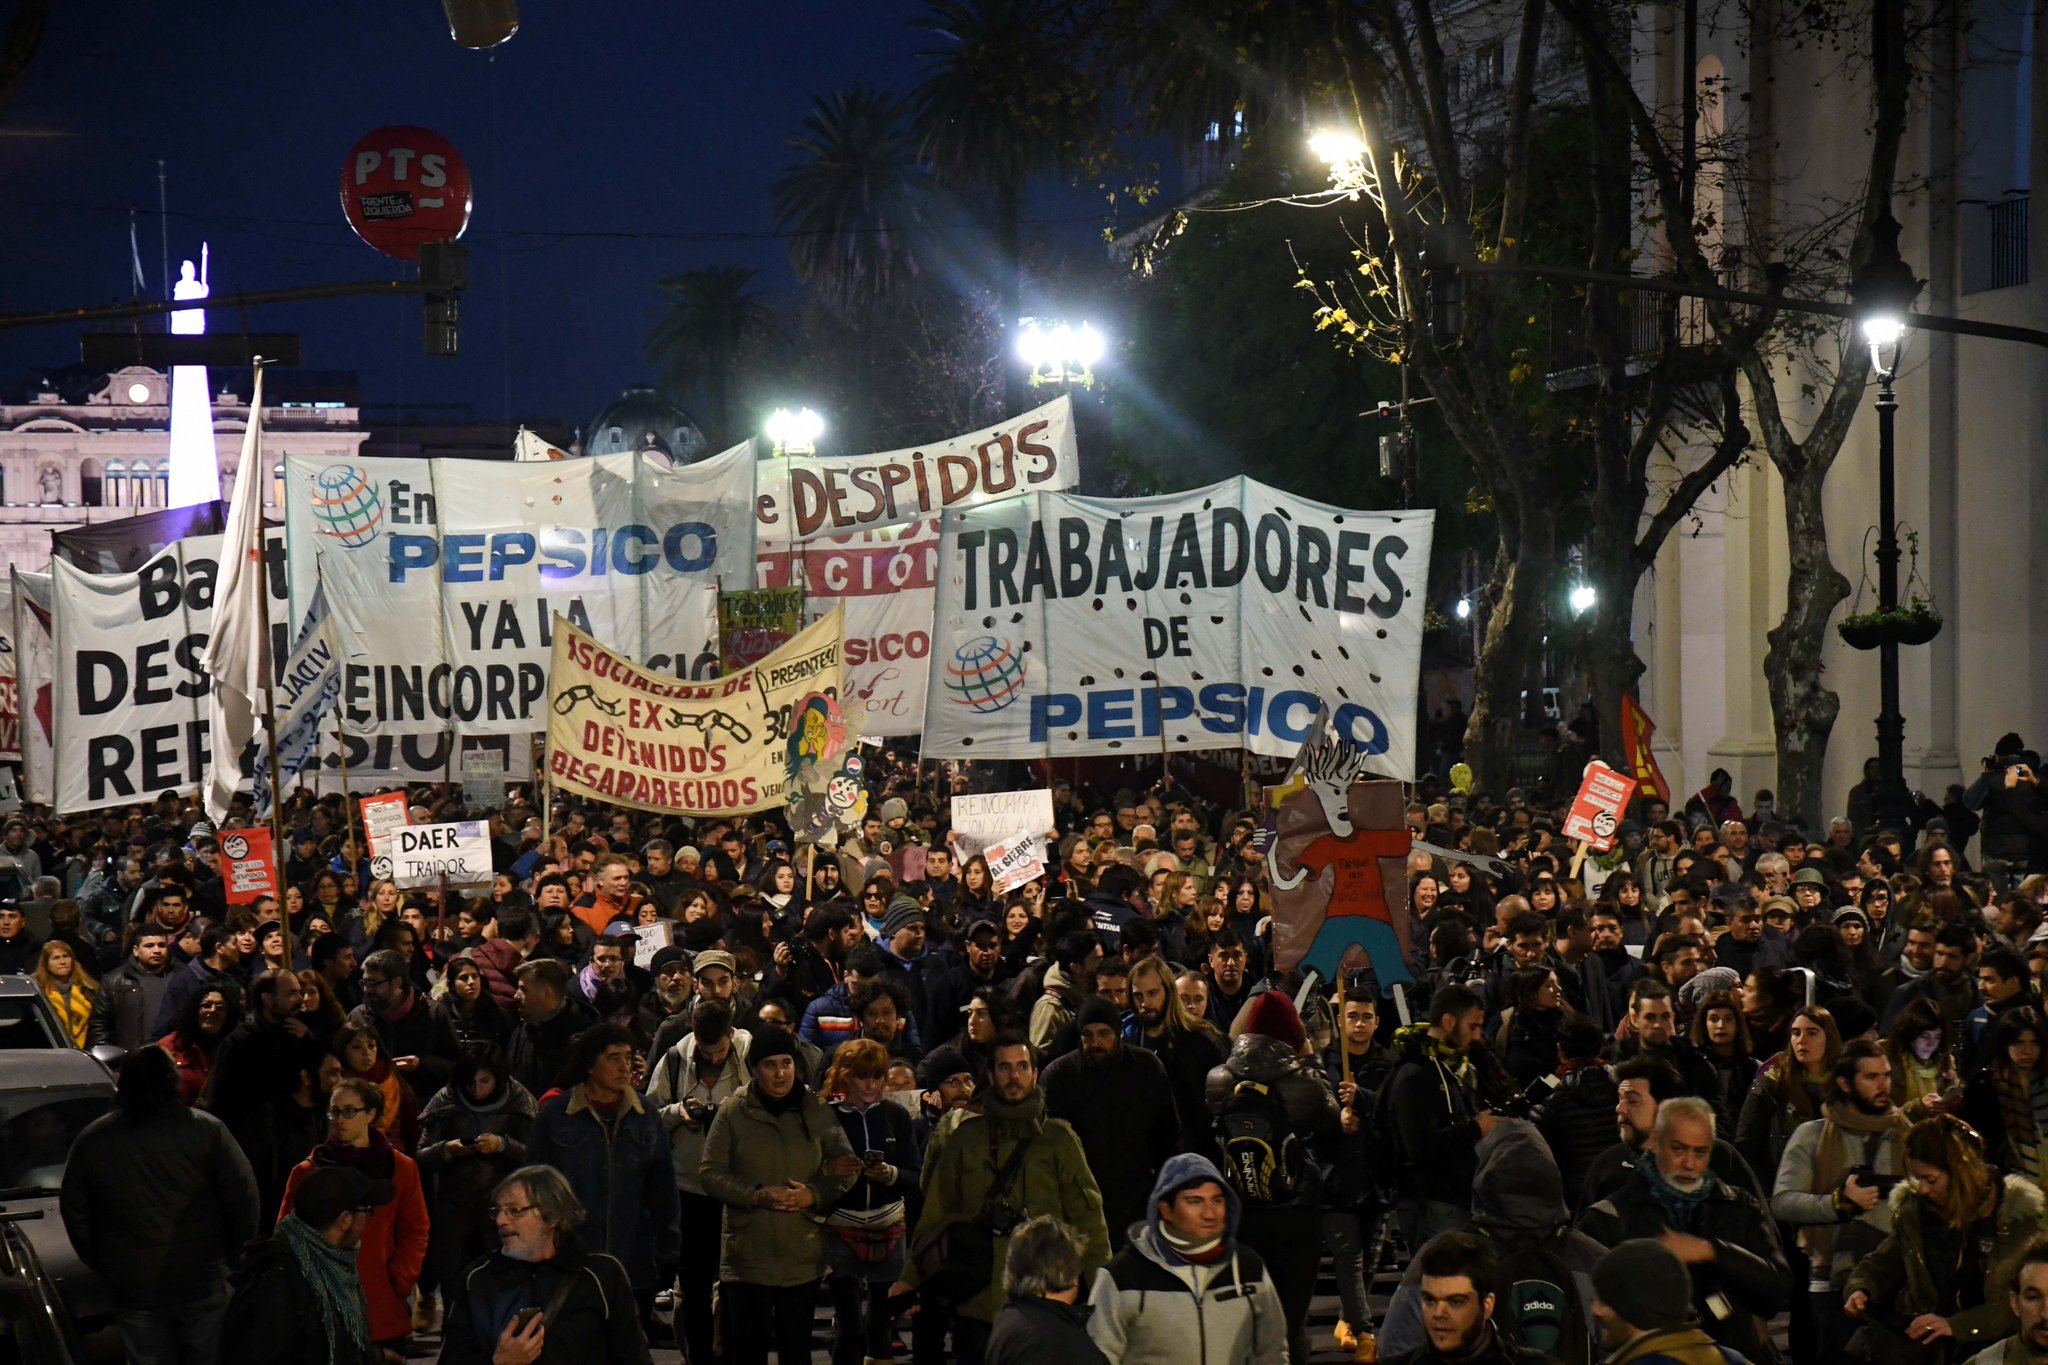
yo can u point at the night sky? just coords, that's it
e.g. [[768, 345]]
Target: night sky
[[654, 129]]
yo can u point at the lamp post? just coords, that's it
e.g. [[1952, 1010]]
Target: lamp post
[[1884, 290], [795, 433], [1056, 353]]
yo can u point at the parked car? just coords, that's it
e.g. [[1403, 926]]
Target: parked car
[[47, 1097], [26, 1020]]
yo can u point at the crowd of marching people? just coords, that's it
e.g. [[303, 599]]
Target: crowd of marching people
[[1738, 1090]]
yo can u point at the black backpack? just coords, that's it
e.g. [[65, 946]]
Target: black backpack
[[1538, 1304], [1262, 1155]]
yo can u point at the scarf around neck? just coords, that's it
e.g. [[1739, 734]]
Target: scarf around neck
[[330, 1273], [1681, 1207]]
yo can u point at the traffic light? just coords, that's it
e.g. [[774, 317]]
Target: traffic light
[[444, 270]]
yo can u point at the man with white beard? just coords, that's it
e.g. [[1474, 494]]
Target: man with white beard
[[1722, 1233]]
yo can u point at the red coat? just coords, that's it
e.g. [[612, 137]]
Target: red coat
[[394, 1244]]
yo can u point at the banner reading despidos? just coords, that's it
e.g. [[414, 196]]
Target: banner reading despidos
[[444, 576], [1219, 617], [625, 734]]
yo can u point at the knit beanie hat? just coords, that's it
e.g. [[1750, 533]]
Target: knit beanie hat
[[902, 913], [1273, 1015], [1099, 1009], [939, 1064], [771, 1042], [1645, 1284]]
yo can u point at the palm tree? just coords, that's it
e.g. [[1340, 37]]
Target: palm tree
[[856, 204], [710, 318], [1003, 99]]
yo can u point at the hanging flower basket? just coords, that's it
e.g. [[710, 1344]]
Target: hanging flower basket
[[1915, 624], [1912, 622]]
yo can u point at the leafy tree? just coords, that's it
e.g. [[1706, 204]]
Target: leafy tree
[[1001, 100], [710, 319], [856, 203]]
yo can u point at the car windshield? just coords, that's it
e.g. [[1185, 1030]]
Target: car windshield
[[22, 1026], [36, 1132]]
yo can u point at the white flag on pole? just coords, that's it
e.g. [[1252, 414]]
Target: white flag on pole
[[238, 653], [527, 448]]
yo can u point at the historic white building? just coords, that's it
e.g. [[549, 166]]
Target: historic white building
[[66, 464], [1971, 478]]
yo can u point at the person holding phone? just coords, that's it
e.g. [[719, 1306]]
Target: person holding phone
[[1834, 1181], [543, 1296], [864, 1231]]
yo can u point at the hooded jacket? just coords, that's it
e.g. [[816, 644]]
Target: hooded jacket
[[1517, 1197], [1152, 1307]]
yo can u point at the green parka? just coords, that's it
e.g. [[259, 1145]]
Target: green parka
[[1895, 1274], [1053, 1179], [749, 1149]]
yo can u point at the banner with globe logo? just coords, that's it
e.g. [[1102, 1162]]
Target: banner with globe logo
[[445, 575], [347, 504], [1222, 617]]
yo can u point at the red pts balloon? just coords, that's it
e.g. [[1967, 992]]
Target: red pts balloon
[[403, 186]]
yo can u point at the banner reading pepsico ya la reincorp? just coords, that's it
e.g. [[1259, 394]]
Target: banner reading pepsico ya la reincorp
[[444, 576]]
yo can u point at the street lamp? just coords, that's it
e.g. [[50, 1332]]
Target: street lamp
[[1884, 290], [1583, 598], [1345, 154], [795, 433], [1056, 353]]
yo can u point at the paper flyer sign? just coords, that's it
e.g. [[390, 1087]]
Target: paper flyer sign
[[249, 865], [1015, 861], [984, 818], [382, 814], [1596, 811], [649, 939], [418, 856], [483, 779]]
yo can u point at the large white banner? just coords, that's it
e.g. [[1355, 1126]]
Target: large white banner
[[805, 497], [444, 575], [1208, 619], [858, 531], [130, 691], [34, 664]]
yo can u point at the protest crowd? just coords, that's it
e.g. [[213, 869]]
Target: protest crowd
[[1762, 1092]]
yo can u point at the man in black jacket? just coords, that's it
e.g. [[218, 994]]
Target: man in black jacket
[[946, 992], [1458, 1294], [1642, 1085], [1119, 1103], [549, 1020], [156, 1199], [1189, 1049], [1654, 1014], [298, 1297], [1723, 1234], [1437, 1116], [585, 1298], [131, 994], [253, 1077], [1576, 1109], [404, 1023]]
